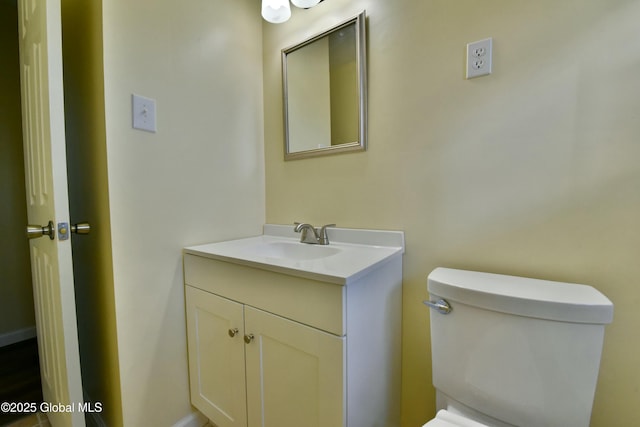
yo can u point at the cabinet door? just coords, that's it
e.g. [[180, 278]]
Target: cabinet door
[[295, 373], [216, 358]]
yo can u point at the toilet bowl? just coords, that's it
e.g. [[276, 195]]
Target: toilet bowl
[[514, 351]]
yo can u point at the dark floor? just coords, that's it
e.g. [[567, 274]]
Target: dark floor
[[19, 376]]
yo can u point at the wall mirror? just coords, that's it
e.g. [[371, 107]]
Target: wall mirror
[[325, 92]]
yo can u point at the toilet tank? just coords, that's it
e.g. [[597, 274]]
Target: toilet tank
[[522, 351]]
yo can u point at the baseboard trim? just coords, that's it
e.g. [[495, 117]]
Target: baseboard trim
[[194, 419], [17, 336]]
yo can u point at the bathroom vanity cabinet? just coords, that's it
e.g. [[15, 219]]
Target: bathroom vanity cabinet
[[277, 349]]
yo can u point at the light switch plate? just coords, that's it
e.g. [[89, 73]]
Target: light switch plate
[[144, 113]]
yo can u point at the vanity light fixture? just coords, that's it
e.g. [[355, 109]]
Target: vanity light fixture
[[279, 11]]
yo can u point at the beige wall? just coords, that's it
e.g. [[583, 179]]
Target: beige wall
[[200, 178], [16, 296], [530, 171]]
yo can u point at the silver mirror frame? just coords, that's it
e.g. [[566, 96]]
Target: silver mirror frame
[[361, 70]]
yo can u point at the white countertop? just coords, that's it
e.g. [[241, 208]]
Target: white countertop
[[351, 253]]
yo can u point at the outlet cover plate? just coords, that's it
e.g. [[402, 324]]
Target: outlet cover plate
[[479, 55], [144, 113]]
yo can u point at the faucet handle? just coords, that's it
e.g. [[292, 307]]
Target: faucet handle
[[324, 239]]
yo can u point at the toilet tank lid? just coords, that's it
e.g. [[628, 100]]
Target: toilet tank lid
[[565, 302]]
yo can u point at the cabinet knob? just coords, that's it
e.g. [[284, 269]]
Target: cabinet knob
[[233, 332], [248, 338]]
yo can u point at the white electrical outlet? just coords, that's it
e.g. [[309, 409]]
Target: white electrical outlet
[[144, 113], [479, 58]]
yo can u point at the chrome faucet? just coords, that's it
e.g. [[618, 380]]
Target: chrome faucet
[[312, 235]]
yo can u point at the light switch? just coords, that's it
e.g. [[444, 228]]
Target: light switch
[[144, 113]]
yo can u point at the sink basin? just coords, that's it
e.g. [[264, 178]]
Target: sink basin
[[351, 254], [293, 250]]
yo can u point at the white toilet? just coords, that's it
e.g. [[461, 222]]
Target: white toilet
[[512, 351]]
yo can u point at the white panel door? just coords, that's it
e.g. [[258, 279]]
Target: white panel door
[[40, 38], [295, 373], [215, 330]]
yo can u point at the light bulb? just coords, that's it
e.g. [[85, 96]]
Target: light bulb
[[305, 4], [276, 11]]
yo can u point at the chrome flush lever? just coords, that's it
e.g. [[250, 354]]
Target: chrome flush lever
[[441, 305]]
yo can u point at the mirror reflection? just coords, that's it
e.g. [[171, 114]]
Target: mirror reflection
[[324, 80]]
